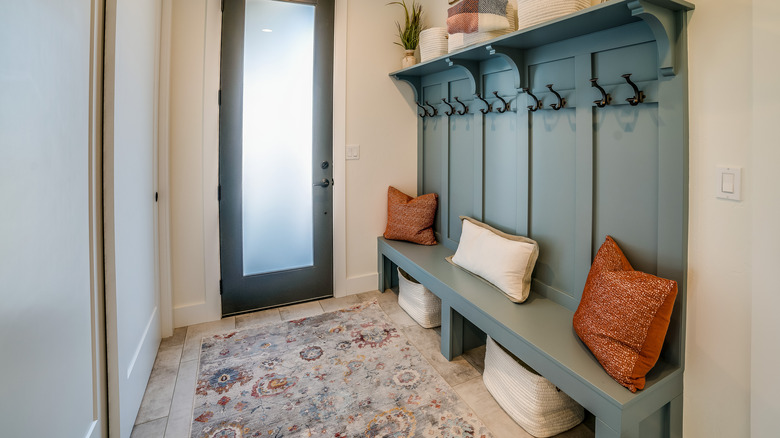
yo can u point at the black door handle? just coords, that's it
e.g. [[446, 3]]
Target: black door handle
[[323, 183]]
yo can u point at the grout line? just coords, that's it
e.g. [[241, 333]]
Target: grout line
[[173, 395]]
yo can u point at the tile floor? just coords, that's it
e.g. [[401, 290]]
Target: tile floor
[[167, 405]]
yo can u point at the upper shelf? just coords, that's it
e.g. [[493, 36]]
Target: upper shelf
[[660, 15]]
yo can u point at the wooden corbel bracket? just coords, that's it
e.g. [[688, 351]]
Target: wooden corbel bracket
[[472, 70], [666, 26]]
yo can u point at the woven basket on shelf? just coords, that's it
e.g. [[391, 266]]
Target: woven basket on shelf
[[420, 303], [530, 399], [533, 12], [433, 43]]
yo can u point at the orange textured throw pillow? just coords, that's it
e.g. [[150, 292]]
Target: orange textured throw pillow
[[410, 218], [623, 316]]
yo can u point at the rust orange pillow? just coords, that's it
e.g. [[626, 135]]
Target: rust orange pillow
[[410, 218], [623, 316]]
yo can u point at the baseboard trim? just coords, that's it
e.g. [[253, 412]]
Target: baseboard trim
[[153, 319], [362, 283], [195, 314]]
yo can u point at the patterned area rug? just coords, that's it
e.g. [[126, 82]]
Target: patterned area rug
[[342, 374]]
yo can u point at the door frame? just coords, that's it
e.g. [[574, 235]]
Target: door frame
[[96, 266]]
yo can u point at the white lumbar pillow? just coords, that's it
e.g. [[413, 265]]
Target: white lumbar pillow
[[505, 260]]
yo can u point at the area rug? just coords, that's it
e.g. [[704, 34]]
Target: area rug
[[347, 373]]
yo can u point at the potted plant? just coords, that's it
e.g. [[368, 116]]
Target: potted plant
[[409, 33]]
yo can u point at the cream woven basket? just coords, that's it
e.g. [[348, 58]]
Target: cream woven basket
[[420, 303], [531, 400], [533, 12]]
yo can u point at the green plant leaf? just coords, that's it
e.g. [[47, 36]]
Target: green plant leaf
[[409, 33]]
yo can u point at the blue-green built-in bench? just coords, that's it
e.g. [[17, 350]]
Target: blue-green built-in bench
[[565, 177], [540, 333]]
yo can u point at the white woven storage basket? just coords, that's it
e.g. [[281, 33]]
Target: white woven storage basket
[[455, 41], [530, 399], [433, 43], [420, 303], [533, 12]]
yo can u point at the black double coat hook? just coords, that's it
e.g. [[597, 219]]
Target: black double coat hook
[[465, 108], [537, 103], [606, 99], [639, 96], [561, 101]]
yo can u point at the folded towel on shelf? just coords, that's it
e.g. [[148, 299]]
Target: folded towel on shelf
[[479, 37], [469, 16]]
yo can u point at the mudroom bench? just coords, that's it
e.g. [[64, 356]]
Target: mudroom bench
[[565, 132], [540, 333]]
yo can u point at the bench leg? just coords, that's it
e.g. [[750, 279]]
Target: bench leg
[[628, 429], [451, 332], [384, 266], [604, 431], [676, 417]]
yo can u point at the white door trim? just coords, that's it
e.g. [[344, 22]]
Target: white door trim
[[339, 149], [164, 171], [99, 427]]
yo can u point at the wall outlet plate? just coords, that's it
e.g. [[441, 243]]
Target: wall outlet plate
[[728, 184]]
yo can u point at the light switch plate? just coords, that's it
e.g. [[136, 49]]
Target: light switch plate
[[729, 183], [353, 152]]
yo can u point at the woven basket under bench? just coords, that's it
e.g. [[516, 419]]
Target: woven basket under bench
[[531, 400], [420, 303]]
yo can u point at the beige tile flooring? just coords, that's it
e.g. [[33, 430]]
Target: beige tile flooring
[[167, 405]]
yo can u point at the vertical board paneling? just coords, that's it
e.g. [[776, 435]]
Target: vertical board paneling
[[433, 129], [626, 182], [552, 215], [565, 178], [626, 159], [500, 172], [461, 172], [553, 179], [460, 167], [583, 231]]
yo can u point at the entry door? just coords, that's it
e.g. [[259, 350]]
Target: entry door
[[276, 242]]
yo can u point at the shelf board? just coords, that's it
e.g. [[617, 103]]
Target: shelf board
[[658, 13]]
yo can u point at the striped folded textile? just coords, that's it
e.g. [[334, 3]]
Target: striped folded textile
[[469, 16]]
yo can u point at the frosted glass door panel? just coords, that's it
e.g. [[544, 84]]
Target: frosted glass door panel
[[277, 136]]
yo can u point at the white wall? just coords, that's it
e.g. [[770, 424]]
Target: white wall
[[381, 118], [717, 375], [50, 349], [764, 180]]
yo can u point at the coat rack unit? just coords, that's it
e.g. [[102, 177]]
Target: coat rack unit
[[566, 172]]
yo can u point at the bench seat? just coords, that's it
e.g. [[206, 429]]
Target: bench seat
[[539, 332]]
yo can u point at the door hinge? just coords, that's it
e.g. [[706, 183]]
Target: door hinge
[[156, 196], [220, 286], [219, 97], [219, 192]]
